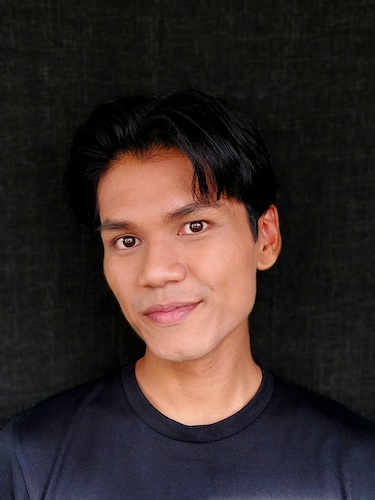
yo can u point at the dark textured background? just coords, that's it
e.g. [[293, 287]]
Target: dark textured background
[[304, 70]]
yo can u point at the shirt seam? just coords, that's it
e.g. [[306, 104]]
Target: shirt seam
[[18, 460]]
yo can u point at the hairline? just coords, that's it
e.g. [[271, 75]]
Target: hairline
[[158, 150]]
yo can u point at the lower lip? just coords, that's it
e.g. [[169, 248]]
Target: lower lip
[[171, 317]]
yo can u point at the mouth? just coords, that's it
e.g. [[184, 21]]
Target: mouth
[[169, 314]]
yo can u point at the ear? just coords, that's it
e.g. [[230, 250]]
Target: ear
[[269, 239]]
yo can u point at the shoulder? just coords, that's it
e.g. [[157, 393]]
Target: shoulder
[[318, 415], [50, 419], [33, 442], [319, 445]]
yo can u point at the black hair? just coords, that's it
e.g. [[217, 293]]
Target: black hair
[[224, 145]]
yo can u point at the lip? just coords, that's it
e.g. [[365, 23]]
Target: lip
[[171, 313]]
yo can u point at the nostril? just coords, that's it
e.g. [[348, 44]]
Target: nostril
[[159, 273]]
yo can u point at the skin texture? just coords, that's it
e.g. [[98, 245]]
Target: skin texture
[[184, 274]]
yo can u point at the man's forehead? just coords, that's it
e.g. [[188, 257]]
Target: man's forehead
[[198, 208], [161, 180], [177, 160]]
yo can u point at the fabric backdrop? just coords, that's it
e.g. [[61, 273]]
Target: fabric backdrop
[[304, 70]]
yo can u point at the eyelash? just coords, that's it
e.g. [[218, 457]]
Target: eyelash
[[202, 222], [117, 241]]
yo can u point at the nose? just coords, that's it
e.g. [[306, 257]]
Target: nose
[[161, 265]]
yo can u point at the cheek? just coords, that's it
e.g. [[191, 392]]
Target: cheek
[[118, 280], [107, 270], [242, 288], [241, 293], [232, 274]]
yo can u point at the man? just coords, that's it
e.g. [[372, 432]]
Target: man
[[181, 190]]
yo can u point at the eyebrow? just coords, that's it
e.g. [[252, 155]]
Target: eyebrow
[[191, 208], [178, 213], [115, 225]]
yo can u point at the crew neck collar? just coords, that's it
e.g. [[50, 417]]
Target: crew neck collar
[[196, 433]]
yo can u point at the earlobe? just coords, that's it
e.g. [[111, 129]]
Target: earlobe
[[269, 239]]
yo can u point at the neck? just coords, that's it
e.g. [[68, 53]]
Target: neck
[[202, 391]]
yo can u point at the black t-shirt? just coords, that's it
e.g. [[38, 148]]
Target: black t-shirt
[[106, 441]]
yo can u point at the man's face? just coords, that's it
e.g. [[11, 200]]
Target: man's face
[[184, 273]]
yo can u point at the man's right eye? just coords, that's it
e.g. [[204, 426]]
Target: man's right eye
[[126, 242]]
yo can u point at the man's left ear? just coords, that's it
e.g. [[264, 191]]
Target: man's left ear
[[269, 239]]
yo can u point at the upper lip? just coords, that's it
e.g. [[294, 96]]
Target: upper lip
[[168, 307]]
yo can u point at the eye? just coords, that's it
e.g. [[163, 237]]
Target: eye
[[126, 242], [196, 226]]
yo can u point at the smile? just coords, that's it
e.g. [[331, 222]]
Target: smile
[[169, 314]]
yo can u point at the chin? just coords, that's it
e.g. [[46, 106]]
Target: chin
[[176, 357], [182, 354]]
